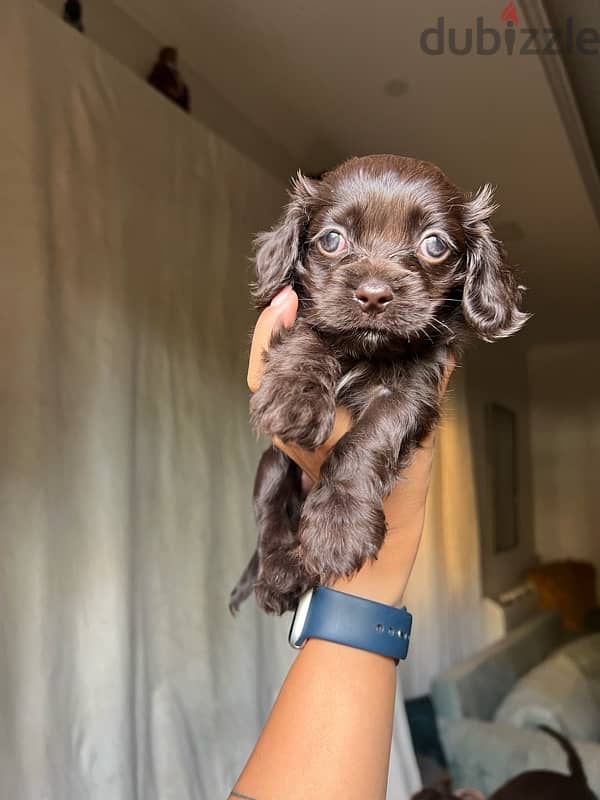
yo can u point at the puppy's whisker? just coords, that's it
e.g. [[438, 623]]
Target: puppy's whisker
[[432, 322], [439, 321]]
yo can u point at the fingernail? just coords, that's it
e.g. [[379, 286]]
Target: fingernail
[[281, 296]]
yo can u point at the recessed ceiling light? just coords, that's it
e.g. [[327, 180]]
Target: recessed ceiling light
[[395, 87]]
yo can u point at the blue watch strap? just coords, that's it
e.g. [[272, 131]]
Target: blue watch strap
[[356, 622]]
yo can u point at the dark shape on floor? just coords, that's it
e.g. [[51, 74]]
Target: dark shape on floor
[[540, 784]]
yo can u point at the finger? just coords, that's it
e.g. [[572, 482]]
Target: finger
[[311, 460], [450, 367], [303, 458], [281, 312]]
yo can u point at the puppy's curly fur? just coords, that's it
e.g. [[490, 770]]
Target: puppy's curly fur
[[394, 267]]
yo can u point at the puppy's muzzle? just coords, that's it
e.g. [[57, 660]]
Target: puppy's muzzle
[[373, 296]]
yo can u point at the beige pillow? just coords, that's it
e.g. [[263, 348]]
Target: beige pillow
[[557, 694]]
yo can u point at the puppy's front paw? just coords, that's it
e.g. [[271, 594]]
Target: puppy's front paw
[[271, 600], [339, 531], [293, 409], [281, 582]]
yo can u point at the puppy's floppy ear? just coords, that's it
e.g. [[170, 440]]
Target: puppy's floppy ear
[[491, 295], [279, 251]]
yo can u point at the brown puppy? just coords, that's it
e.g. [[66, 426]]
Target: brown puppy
[[394, 267]]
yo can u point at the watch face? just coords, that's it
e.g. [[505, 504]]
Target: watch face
[[300, 615]]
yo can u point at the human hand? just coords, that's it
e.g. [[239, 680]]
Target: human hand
[[383, 579]]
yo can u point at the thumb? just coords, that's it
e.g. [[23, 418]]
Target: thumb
[[281, 312]]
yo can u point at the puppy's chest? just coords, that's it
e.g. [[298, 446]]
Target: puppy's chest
[[363, 382]]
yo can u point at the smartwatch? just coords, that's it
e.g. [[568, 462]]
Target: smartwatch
[[352, 621]]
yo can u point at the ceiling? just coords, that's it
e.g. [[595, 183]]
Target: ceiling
[[583, 72], [311, 76]]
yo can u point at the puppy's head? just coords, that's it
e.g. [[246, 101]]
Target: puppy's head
[[384, 250]]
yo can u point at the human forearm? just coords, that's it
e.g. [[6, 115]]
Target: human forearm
[[329, 732]]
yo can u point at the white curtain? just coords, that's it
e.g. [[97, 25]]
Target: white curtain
[[127, 461], [445, 588]]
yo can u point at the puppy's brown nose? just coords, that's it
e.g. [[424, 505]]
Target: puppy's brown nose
[[373, 296]]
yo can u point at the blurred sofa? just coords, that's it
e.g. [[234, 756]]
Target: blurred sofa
[[488, 708]]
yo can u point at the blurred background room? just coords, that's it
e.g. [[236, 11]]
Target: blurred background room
[[142, 145]]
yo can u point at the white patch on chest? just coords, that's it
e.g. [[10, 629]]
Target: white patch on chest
[[351, 377], [355, 376]]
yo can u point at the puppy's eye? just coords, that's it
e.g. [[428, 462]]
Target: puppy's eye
[[434, 248], [332, 243]]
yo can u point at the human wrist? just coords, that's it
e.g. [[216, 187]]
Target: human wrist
[[371, 585], [384, 579], [352, 621], [365, 659]]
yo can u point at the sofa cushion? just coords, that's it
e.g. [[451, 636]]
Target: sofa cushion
[[585, 652], [555, 693]]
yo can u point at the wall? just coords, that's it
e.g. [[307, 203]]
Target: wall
[[565, 436], [136, 47], [497, 373]]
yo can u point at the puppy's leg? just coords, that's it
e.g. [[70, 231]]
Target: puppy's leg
[[245, 586], [342, 523], [277, 503], [296, 397], [274, 572]]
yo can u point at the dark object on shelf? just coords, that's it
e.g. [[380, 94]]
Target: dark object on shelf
[[73, 14], [165, 77]]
